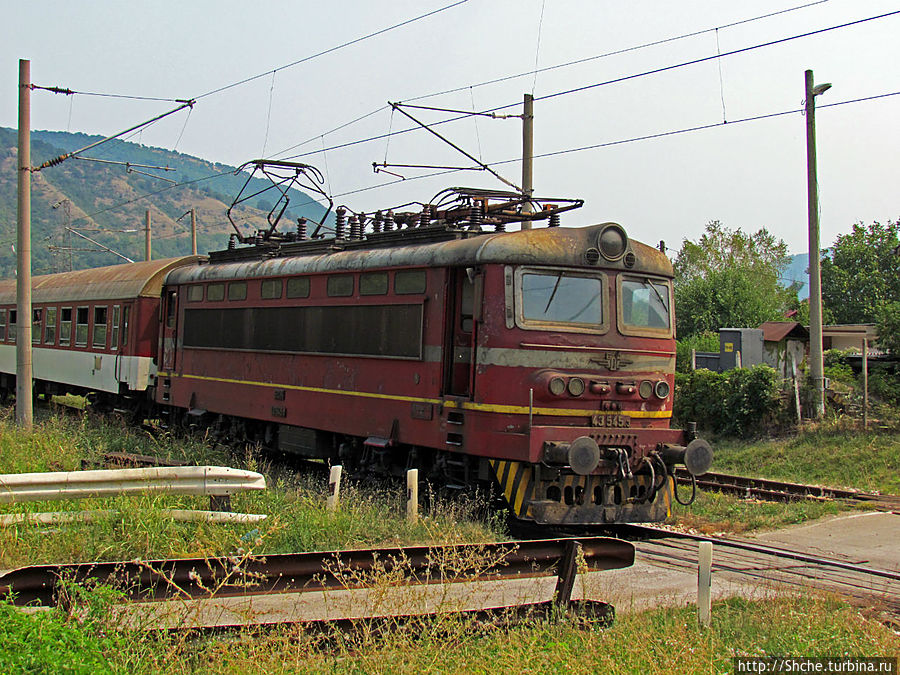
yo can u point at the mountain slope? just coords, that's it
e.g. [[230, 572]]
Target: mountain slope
[[104, 199]]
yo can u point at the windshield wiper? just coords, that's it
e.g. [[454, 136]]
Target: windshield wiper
[[553, 294]]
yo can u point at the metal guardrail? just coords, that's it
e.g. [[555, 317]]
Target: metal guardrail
[[298, 572], [216, 481]]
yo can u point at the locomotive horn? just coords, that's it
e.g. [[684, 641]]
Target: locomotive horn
[[582, 454], [697, 456]]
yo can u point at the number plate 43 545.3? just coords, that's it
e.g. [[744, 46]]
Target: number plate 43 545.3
[[611, 421]]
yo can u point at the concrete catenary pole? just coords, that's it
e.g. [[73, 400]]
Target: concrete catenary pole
[[527, 154], [816, 362], [193, 231], [147, 236], [23, 254]]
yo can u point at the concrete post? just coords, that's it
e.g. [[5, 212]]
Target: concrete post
[[704, 583], [24, 402], [412, 496], [334, 488]]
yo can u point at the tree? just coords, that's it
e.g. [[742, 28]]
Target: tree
[[730, 279], [861, 275], [889, 328]]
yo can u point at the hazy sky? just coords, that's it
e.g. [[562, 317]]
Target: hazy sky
[[748, 175]]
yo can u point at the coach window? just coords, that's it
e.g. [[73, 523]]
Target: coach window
[[65, 326], [237, 290], [81, 326], [195, 293], [50, 327], [373, 283], [215, 292], [114, 328], [2, 325], [340, 286], [101, 320], [13, 326], [126, 311], [270, 289], [298, 287], [36, 316], [409, 282]]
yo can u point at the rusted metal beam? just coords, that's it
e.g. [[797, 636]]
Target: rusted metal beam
[[316, 571]]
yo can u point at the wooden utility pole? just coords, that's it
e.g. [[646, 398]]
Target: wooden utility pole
[[865, 374], [527, 154], [147, 237], [816, 360], [193, 231], [24, 417]]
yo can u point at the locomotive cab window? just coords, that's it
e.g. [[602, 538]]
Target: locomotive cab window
[[195, 293], [237, 290], [644, 306], [215, 292], [560, 300]]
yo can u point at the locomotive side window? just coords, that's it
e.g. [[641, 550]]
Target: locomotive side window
[[340, 286], [81, 326], [13, 325], [50, 327], [101, 318], [270, 289], [298, 287], [65, 326], [215, 292], [195, 293], [2, 325], [409, 282], [36, 316], [644, 305], [114, 328], [237, 290], [560, 299], [373, 283]]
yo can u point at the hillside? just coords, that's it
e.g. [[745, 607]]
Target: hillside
[[105, 199]]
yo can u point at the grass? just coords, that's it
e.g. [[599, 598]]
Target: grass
[[295, 505], [829, 454], [653, 641]]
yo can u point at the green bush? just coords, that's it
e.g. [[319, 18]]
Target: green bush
[[707, 341], [744, 402], [884, 383]]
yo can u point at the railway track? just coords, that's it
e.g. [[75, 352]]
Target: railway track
[[781, 491], [748, 561]]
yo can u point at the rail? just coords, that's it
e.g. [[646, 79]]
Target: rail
[[330, 570], [782, 491]]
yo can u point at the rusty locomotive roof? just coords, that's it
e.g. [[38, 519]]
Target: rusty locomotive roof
[[558, 246], [128, 280]]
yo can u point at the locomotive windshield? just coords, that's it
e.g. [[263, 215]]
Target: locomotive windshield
[[645, 303], [561, 297]]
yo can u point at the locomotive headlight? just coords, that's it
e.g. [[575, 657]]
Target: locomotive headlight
[[646, 389], [557, 386], [662, 389], [612, 242], [576, 386]]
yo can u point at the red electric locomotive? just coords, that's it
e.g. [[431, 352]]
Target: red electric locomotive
[[540, 360]]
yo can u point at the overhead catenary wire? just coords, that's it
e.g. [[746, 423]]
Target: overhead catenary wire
[[332, 49], [623, 78], [587, 59]]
